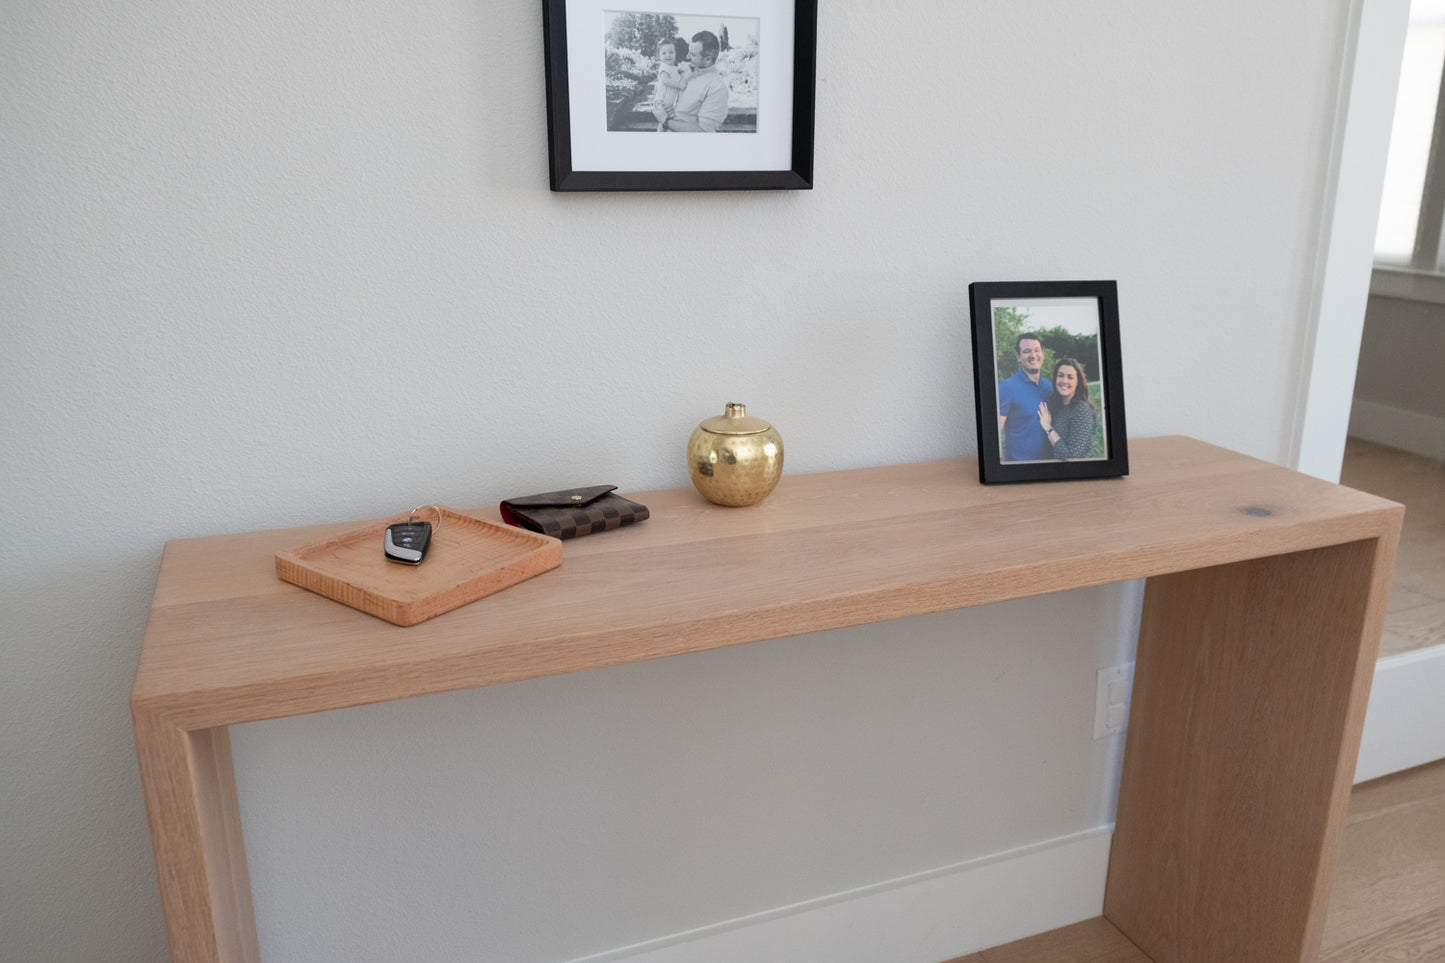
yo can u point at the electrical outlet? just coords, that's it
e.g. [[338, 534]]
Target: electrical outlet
[[1111, 700]]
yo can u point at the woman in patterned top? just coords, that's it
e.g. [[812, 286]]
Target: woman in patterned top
[[1068, 416]]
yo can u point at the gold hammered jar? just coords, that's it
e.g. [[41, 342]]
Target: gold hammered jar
[[735, 459]]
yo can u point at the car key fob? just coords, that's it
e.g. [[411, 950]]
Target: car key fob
[[407, 541]]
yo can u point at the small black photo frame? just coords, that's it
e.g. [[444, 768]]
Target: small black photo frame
[[1055, 344], [702, 95]]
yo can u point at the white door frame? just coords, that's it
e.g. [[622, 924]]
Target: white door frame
[[1406, 718], [1365, 107]]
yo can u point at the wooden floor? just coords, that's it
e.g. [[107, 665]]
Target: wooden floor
[[1387, 904], [1415, 618], [1388, 900], [1092, 941]]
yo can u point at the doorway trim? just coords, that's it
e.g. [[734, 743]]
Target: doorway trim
[[1365, 106]]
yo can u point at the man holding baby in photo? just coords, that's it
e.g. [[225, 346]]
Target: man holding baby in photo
[[702, 102]]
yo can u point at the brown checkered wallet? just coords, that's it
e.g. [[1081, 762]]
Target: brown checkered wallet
[[573, 511]]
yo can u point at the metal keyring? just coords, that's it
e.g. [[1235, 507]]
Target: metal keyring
[[437, 527]]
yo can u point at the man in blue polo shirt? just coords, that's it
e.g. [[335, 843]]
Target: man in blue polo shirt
[[1019, 398]]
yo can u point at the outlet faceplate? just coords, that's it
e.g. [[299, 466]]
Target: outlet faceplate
[[1111, 700]]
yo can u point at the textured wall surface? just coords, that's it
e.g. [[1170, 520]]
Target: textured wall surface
[[226, 226]]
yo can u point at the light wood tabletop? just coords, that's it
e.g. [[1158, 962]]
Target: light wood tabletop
[[230, 642]]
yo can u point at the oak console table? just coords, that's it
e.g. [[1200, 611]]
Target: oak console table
[[1262, 614]]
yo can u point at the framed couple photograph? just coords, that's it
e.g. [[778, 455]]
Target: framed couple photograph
[[1048, 387], [714, 95]]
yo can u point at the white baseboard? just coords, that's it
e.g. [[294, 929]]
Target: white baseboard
[[1405, 721], [1399, 428], [965, 907], [923, 918]]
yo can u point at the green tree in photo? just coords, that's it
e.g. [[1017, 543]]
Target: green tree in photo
[[1096, 394], [1008, 324]]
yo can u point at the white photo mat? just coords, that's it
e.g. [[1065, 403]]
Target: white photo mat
[[595, 148]]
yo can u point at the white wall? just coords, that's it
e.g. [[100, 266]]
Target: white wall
[[1401, 411], [224, 225]]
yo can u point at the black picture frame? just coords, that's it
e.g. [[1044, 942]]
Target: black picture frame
[[1059, 311], [584, 151]]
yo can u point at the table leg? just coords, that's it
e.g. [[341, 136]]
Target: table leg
[[1249, 698], [195, 823]]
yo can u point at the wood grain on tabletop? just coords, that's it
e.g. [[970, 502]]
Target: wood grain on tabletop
[[228, 641]]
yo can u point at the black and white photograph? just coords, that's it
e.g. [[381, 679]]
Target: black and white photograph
[[681, 73], [740, 67], [1048, 390]]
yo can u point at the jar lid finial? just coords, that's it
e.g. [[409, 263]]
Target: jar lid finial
[[735, 420]]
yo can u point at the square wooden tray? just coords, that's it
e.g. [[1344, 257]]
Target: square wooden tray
[[468, 558]]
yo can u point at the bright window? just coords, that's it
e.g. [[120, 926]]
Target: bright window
[[1410, 138]]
